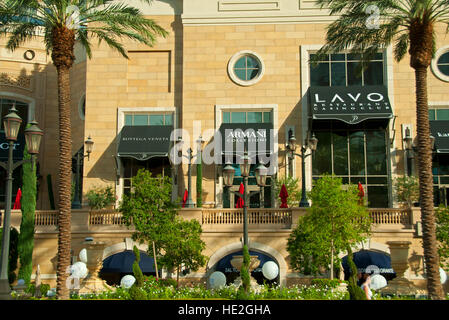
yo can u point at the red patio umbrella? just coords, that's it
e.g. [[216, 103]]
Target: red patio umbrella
[[184, 199], [240, 201], [283, 195], [361, 193], [18, 197]]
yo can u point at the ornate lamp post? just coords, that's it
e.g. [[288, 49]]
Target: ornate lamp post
[[190, 157], [410, 149], [291, 147], [261, 176], [33, 136], [76, 204]]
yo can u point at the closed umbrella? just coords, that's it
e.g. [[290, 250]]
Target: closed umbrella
[[283, 195], [361, 193], [184, 199], [240, 201], [18, 197]]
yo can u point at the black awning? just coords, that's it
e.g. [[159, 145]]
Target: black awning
[[349, 104], [365, 259], [254, 137], [440, 130], [18, 148], [144, 142], [123, 263]]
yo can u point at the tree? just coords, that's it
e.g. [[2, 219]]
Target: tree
[[28, 206], [183, 247], [442, 216], [63, 22], [149, 209], [355, 292], [407, 190], [335, 221], [409, 26]]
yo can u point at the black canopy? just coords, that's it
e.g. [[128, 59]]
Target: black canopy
[[123, 263], [440, 130], [254, 137], [352, 104], [366, 258], [144, 142], [224, 265]]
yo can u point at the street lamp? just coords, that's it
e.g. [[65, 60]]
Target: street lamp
[[411, 148], [190, 157], [291, 146], [89, 144], [261, 173], [33, 136]]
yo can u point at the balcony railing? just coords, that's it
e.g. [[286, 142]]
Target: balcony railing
[[255, 216], [215, 218]]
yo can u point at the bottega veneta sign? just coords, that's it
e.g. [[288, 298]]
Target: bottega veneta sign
[[349, 104]]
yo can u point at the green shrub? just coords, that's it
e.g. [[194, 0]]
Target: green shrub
[[100, 198], [244, 272], [326, 283], [31, 289]]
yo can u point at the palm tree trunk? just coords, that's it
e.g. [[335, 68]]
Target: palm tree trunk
[[431, 256], [63, 40], [65, 174]]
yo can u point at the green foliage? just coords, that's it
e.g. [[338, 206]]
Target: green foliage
[[442, 233], [28, 206], [13, 253], [355, 292], [150, 209], [326, 283], [292, 186], [44, 288], [334, 221], [199, 184], [244, 272], [136, 268], [406, 189], [100, 198], [51, 196]]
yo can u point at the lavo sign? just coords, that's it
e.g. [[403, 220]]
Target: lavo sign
[[373, 97]]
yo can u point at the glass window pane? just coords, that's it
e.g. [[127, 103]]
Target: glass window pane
[[444, 69], [251, 73], [238, 117], [354, 56], [431, 114], [354, 74], [240, 73], [254, 117], [267, 117], [319, 76], [321, 158], [376, 152], [252, 62], [157, 119], [374, 74], [377, 180], [356, 180], [340, 141], [338, 57], [168, 119], [325, 58], [377, 197], [140, 120], [443, 165], [241, 63], [338, 74], [226, 117], [444, 58], [357, 153], [378, 56], [442, 114], [128, 120]]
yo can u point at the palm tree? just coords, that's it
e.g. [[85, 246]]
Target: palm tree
[[62, 23], [408, 25]]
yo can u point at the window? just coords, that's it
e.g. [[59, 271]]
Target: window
[[355, 155], [246, 68], [343, 69], [247, 117], [440, 64], [439, 114], [152, 119], [440, 171]]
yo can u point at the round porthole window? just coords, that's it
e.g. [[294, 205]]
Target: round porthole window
[[246, 68], [440, 64]]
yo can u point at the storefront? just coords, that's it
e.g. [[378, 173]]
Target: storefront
[[351, 125], [440, 161]]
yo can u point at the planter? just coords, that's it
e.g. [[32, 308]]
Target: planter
[[399, 262], [92, 283]]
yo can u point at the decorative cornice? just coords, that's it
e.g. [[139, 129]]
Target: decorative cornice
[[20, 81]]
